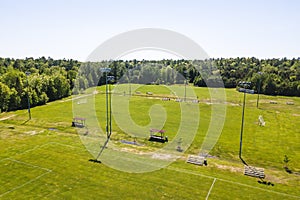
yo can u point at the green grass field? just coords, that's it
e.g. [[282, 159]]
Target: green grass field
[[45, 158]]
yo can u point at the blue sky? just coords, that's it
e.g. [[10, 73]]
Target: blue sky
[[73, 29]]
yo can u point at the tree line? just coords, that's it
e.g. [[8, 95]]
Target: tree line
[[45, 79], [42, 79], [269, 76]]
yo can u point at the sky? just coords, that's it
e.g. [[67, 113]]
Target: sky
[[73, 29]]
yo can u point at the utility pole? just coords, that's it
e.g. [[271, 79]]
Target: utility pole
[[258, 88], [28, 100]]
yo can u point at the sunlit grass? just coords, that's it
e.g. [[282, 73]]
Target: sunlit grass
[[48, 141]]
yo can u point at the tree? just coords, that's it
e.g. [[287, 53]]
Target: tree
[[14, 100], [4, 97], [286, 160], [269, 86]]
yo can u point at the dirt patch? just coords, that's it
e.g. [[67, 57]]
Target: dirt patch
[[131, 150], [159, 156], [277, 179], [5, 118], [164, 156], [230, 168], [296, 115], [33, 132]]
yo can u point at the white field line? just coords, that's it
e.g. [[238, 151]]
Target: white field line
[[228, 181], [79, 97], [28, 182], [36, 147], [224, 180], [39, 146], [66, 145], [212, 185], [28, 164], [170, 168], [211, 177], [31, 165], [32, 149]]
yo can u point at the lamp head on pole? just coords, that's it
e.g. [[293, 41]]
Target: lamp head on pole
[[105, 70], [110, 78], [244, 87], [244, 84]]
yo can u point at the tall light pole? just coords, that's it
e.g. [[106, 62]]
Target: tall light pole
[[185, 80], [108, 109], [129, 81], [258, 88], [106, 70], [28, 100], [243, 87], [109, 78]]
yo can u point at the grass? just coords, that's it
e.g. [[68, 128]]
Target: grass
[[39, 162]]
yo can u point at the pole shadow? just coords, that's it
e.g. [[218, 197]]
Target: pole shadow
[[25, 122]]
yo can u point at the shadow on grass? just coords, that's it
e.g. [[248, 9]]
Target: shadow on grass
[[265, 182], [95, 161], [25, 121], [288, 170]]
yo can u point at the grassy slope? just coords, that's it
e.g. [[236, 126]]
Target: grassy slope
[[72, 176]]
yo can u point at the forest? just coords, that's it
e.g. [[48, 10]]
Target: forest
[[44, 79]]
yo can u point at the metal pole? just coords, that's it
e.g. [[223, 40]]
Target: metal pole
[[108, 117], [258, 91], [106, 95], [185, 80], [109, 112], [242, 128], [185, 90], [129, 82], [28, 100], [107, 133]]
